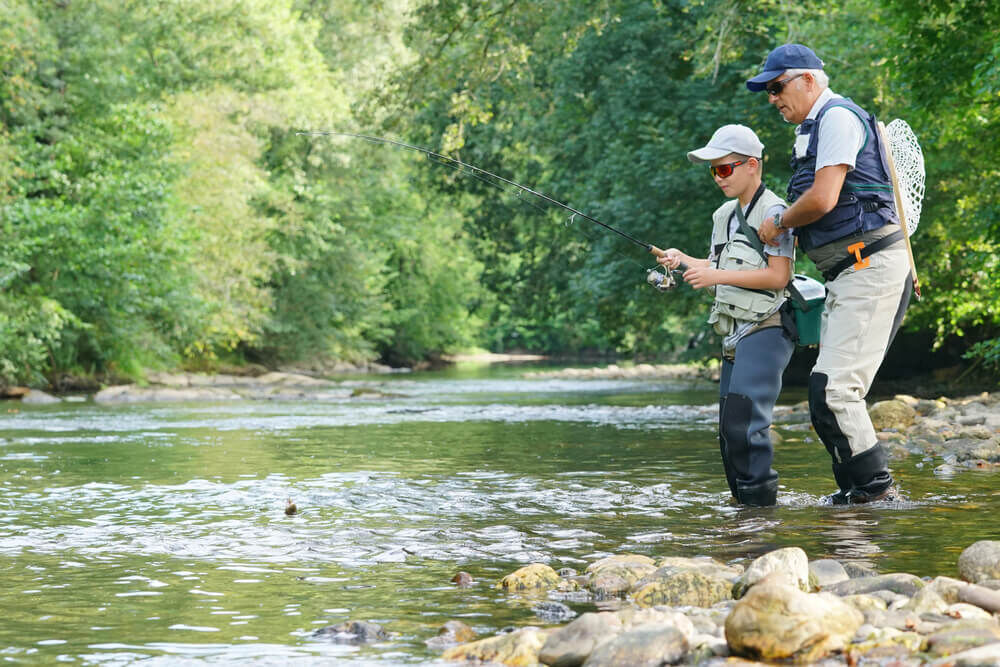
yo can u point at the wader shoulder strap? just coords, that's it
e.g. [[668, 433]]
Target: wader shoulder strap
[[751, 235]]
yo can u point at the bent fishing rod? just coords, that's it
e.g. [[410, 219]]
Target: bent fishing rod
[[659, 280]]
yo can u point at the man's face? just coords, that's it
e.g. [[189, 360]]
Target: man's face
[[739, 177], [796, 97]]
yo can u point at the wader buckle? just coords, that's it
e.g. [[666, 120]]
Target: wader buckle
[[862, 262]]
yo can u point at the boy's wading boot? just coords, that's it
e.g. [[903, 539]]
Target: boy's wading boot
[[764, 494]]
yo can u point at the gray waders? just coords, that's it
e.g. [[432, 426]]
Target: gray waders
[[748, 389]]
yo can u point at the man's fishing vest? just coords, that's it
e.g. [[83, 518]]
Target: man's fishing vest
[[738, 254], [866, 200]]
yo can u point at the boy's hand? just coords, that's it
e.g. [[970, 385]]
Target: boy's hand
[[701, 276], [672, 257], [768, 233]]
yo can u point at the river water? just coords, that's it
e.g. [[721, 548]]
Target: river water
[[156, 533]]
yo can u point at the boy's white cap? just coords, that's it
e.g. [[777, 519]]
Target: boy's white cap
[[729, 139]]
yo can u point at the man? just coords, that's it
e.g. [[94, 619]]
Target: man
[[842, 213]]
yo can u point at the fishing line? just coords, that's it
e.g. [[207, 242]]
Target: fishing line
[[659, 280]]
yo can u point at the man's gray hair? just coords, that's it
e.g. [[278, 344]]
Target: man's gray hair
[[822, 80]]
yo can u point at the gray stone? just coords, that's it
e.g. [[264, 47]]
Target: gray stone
[[980, 561], [704, 565], [859, 570], [790, 560], [984, 656], [900, 583], [451, 634], [571, 644], [961, 636], [827, 571], [553, 612], [645, 646], [926, 601]]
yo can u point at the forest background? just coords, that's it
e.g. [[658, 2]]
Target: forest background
[[158, 207]]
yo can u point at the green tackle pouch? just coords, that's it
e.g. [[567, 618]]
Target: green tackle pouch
[[807, 308]]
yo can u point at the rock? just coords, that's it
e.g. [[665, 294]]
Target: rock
[[961, 636], [777, 621], [892, 414], [615, 575], [463, 580], [827, 571], [900, 583], [353, 632], [633, 618], [976, 657], [134, 394], [926, 601], [980, 561], [886, 642], [553, 612], [536, 576], [865, 603], [518, 649], [673, 587], [36, 397], [859, 571], [962, 610], [571, 644], [703, 564], [647, 645], [450, 634], [791, 560]]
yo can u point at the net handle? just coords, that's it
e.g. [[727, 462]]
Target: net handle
[[899, 207]]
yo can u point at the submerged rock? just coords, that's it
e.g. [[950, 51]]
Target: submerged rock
[[353, 632], [451, 634]]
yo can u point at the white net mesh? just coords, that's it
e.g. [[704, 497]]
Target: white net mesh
[[909, 163]]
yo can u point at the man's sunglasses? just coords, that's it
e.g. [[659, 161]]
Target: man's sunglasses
[[725, 170], [775, 87]]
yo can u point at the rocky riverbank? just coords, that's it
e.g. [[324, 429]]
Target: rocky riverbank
[[782, 608]]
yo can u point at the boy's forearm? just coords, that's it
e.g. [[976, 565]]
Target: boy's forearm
[[771, 278]]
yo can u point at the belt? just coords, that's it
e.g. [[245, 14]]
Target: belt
[[861, 253]]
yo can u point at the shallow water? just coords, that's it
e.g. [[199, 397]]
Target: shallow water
[[157, 532]]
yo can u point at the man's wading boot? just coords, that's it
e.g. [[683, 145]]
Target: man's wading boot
[[764, 494]]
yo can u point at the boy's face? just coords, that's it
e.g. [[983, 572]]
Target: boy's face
[[741, 178]]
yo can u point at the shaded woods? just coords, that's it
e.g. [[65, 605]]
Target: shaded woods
[[158, 208]]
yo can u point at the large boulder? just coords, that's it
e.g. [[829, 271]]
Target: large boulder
[[676, 588], [778, 621], [791, 560], [980, 562], [518, 649]]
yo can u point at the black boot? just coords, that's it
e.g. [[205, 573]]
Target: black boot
[[764, 494]]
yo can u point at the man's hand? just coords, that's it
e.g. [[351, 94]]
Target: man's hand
[[701, 276], [768, 233]]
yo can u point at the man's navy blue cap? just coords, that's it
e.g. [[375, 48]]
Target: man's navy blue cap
[[785, 57]]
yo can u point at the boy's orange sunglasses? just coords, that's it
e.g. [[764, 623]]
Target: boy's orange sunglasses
[[725, 170]]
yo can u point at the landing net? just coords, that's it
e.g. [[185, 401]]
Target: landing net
[[909, 163]]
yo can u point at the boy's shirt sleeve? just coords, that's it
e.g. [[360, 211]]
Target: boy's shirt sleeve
[[786, 241]]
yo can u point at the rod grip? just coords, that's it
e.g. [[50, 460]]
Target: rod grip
[[661, 253]]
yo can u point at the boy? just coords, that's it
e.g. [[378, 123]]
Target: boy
[[749, 293]]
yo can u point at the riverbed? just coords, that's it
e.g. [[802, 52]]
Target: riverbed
[[157, 532]]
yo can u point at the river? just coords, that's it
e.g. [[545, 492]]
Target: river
[[157, 532]]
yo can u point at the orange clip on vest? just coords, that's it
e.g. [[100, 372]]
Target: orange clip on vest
[[856, 249]]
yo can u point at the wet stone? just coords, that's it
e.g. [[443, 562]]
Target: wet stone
[[530, 577], [900, 583], [669, 586], [553, 612], [451, 634], [518, 649], [571, 644]]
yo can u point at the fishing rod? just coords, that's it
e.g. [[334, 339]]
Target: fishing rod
[[661, 281]]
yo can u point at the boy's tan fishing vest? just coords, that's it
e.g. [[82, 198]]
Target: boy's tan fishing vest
[[737, 254]]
